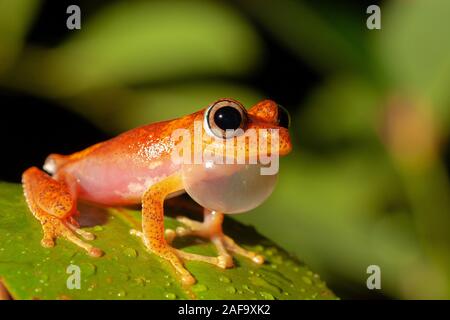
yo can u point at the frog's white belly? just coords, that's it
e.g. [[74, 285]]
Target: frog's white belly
[[120, 183]]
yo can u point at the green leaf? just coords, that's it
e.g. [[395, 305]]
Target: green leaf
[[128, 271]]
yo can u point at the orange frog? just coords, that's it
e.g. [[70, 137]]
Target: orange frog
[[136, 167]]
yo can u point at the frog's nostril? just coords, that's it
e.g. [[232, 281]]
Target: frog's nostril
[[283, 118]]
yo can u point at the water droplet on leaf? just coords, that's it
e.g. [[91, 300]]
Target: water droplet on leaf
[[170, 296], [130, 252], [230, 289], [199, 288], [266, 295], [307, 280]]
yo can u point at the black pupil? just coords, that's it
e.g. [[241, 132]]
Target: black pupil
[[228, 118]]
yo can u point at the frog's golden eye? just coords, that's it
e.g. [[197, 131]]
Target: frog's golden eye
[[223, 119]]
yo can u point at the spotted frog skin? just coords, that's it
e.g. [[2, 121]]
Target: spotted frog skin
[[136, 168]]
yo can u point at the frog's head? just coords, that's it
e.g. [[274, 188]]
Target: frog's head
[[227, 121], [257, 136]]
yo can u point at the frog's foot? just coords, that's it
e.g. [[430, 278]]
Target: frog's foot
[[52, 203], [211, 229], [173, 255], [222, 261], [60, 228]]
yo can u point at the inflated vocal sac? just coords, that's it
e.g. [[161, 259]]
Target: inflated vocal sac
[[227, 188]]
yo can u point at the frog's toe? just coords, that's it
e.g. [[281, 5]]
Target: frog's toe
[[170, 234], [137, 233], [47, 242], [219, 261], [193, 224], [231, 245], [183, 232], [225, 261], [85, 234], [196, 228]]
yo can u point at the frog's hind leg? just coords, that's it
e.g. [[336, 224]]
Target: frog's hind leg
[[211, 228], [53, 203]]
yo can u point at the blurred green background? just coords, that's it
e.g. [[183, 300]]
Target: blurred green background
[[367, 182]]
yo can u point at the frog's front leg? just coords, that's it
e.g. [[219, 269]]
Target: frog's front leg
[[211, 228], [153, 224], [53, 202], [153, 233]]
